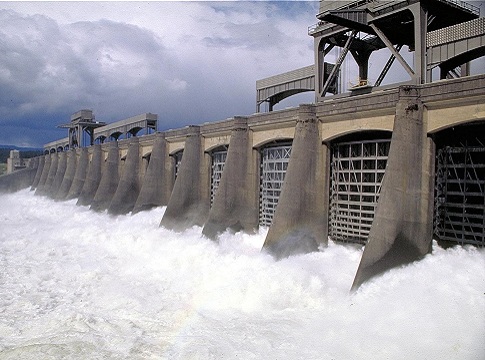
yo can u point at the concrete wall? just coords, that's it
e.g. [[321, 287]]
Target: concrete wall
[[237, 196], [133, 175], [300, 221], [189, 203]]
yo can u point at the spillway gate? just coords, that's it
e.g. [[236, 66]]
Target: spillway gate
[[218, 161], [274, 163], [460, 194], [357, 170]]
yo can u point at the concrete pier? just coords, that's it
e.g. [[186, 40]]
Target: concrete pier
[[403, 224], [109, 179], [129, 185], [189, 203], [237, 194], [93, 177], [82, 164], [38, 174], [300, 221], [68, 175], [52, 173], [45, 172], [156, 183], [60, 172]]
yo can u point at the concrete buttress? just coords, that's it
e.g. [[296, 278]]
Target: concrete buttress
[[45, 172], [155, 190], [82, 164], [61, 170], [93, 177], [68, 175], [190, 202], [109, 179], [237, 196], [300, 221], [51, 175], [38, 173], [129, 185], [403, 224]]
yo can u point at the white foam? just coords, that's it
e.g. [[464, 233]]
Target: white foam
[[78, 284]]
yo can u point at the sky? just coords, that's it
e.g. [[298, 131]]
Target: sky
[[188, 62]]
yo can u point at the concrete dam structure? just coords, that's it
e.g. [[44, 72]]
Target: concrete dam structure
[[391, 167]]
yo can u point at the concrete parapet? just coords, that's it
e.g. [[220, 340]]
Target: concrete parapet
[[17, 180], [93, 177], [20, 179], [68, 175], [129, 185], [61, 170], [82, 164], [236, 201], [190, 202], [156, 187], [357, 106], [109, 179], [300, 224], [402, 228], [38, 174]]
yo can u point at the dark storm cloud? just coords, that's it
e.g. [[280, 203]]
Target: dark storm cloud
[[53, 69], [188, 62]]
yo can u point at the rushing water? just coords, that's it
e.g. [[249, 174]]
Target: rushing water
[[75, 284]]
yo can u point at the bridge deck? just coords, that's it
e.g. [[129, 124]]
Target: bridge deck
[[143, 121], [455, 41], [286, 84]]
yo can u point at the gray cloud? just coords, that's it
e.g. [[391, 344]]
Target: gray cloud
[[197, 63]]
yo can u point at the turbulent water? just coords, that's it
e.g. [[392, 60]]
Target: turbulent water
[[75, 284]]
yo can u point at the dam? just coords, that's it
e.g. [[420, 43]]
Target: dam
[[391, 167]]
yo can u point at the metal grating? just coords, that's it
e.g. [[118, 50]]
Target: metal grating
[[274, 163], [178, 160], [460, 195], [466, 30], [357, 170], [218, 161]]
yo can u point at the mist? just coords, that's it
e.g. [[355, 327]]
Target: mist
[[76, 284]]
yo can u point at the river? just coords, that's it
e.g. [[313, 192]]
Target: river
[[75, 284]]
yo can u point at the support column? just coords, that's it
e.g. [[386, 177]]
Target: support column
[[189, 203], [420, 32], [61, 170], [129, 186], [68, 175], [109, 179], [403, 224], [156, 188], [300, 224], [235, 205], [38, 174], [45, 172], [362, 59], [93, 177], [82, 165], [52, 174]]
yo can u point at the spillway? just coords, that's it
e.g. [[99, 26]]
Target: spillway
[[81, 284]]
